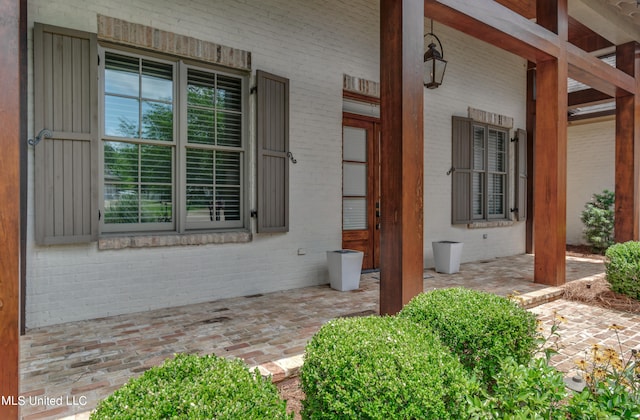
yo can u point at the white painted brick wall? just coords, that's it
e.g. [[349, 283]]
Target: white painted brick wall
[[591, 169], [497, 85], [313, 44]]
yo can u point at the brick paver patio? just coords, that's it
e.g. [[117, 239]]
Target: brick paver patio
[[66, 369]]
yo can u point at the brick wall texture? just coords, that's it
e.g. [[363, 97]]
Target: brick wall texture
[[314, 44]]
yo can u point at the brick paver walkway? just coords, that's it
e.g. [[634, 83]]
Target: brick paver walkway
[[80, 363]]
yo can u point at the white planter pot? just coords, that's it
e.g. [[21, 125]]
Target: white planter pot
[[447, 255], [345, 266]]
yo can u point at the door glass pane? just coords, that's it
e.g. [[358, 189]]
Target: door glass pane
[[354, 213], [355, 144], [354, 179]]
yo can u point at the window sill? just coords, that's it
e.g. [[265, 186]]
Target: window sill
[[173, 239], [492, 224]]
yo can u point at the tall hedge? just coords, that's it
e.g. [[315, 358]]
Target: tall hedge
[[381, 368], [480, 328]]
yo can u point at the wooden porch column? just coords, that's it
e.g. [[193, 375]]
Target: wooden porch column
[[10, 122], [550, 158], [402, 192], [627, 206]]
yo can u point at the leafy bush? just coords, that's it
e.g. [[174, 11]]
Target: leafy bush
[[480, 328], [381, 368], [598, 219], [609, 401], [535, 390], [613, 382], [623, 268], [195, 387]]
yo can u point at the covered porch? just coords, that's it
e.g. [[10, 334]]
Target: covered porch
[[546, 42], [86, 361]]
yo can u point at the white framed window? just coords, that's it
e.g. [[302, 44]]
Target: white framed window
[[480, 172], [173, 147]]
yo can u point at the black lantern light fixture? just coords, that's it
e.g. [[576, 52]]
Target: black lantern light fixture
[[434, 63]]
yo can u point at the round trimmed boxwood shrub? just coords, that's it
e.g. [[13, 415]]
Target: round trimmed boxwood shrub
[[381, 368], [194, 387], [480, 328], [623, 268]]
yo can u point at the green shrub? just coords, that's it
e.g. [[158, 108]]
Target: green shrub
[[623, 268], [195, 387], [480, 328], [523, 392], [609, 401], [381, 368], [598, 219]]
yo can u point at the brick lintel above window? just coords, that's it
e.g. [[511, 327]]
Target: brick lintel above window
[[141, 36]]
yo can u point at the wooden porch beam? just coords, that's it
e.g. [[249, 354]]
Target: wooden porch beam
[[593, 72], [497, 25], [550, 160], [402, 196], [587, 97], [627, 166], [12, 12]]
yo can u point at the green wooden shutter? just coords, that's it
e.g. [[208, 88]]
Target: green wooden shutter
[[66, 162], [521, 174], [273, 146], [462, 170]]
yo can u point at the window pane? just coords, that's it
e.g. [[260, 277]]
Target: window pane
[[157, 81], [497, 151], [121, 203], [120, 162], [157, 164], [354, 144], [200, 204], [199, 167], [121, 117], [496, 195], [478, 148], [227, 203], [229, 93], [156, 204], [200, 88], [213, 198], [227, 168], [478, 195], [354, 213], [121, 75], [229, 129], [354, 179], [138, 183], [157, 121], [200, 126]]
